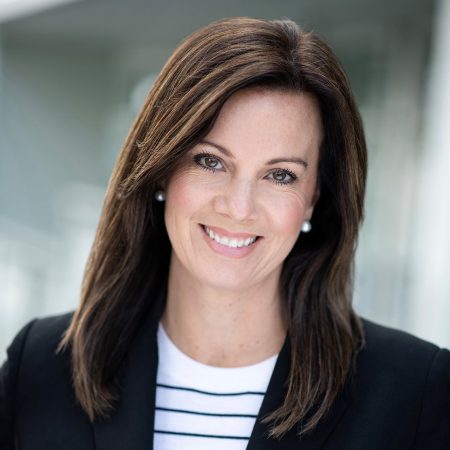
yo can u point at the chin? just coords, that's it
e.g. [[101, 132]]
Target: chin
[[228, 282]]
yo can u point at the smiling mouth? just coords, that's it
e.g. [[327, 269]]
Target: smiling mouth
[[231, 242]]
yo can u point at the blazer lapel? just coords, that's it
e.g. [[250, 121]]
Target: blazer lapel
[[131, 425], [274, 398]]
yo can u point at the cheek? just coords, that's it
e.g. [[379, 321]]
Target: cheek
[[287, 213], [291, 220], [183, 196], [286, 221]]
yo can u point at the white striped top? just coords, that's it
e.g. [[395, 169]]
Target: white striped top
[[205, 407]]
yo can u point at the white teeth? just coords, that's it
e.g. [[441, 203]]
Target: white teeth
[[234, 243]]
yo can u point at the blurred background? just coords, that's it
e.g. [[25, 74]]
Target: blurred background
[[74, 73]]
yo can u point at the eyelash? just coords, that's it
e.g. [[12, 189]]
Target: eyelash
[[200, 156]]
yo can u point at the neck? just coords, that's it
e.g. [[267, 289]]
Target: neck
[[224, 328]]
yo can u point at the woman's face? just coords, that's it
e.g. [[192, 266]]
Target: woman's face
[[253, 175]]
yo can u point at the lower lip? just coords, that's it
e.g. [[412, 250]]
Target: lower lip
[[238, 252]]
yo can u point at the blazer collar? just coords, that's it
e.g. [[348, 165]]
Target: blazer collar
[[131, 425]]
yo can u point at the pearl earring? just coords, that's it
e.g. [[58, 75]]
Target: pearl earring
[[306, 226], [160, 196]]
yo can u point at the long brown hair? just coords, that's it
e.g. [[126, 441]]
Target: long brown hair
[[130, 256]]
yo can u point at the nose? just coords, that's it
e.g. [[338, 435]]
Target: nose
[[237, 201]]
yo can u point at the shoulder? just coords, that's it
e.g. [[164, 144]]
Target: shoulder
[[406, 380], [34, 375], [396, 353], [39, 338], [45, 333], [390, 342], [34, 349]]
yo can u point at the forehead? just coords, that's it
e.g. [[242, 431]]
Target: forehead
[[270, 121]]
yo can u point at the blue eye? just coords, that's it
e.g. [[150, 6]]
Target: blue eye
[[283, 176], [207, 161]]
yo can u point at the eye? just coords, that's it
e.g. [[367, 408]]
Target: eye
[[283, 176], [208, 162]]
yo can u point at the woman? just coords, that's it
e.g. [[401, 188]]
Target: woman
[[216, 304]]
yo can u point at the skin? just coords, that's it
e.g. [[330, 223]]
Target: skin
[[226, 311]]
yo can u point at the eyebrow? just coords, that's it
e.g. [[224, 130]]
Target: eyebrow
[[226, 152]]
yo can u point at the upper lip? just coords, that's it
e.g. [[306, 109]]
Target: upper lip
[[225, 233]]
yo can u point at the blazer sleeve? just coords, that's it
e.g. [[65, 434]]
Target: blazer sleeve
[[433, 432], [9, 373]]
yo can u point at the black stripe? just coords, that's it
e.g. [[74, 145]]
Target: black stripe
[[208, 393], [204, 413], [213, 436]]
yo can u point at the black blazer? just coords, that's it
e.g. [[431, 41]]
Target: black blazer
[[398, 399]]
